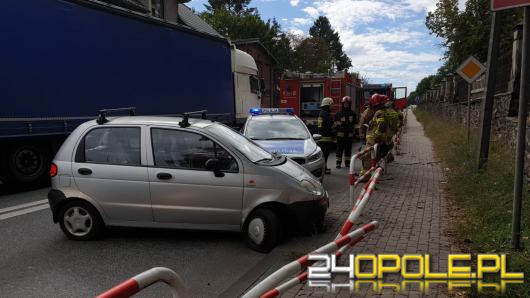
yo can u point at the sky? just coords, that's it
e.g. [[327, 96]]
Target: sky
[[386, 40]]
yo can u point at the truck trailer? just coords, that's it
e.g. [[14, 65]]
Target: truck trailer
[[63, 60]]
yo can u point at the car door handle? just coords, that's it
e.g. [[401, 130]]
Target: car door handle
[[84, 171], [164, 176]]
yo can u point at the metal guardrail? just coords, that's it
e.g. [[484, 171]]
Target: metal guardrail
[[144, 280]]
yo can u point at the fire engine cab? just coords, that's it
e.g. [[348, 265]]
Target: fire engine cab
[[304, 91], [397, 94]]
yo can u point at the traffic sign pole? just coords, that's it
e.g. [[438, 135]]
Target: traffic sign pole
[[487, 104], [521, 134]]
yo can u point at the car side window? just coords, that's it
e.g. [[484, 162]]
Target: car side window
[[187, 150], [111, 145]]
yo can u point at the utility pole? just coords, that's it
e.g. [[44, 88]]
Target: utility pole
[[521, 133], [487, 104]]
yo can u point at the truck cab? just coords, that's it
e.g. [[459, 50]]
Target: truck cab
[[246, 84]]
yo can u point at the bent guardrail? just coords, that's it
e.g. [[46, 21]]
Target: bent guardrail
[[144, 280], [301, 263]]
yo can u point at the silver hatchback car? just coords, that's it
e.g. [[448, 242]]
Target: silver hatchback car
[[168, 172]]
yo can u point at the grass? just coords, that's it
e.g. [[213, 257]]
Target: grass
[[485, 198]]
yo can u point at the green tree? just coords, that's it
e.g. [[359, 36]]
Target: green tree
[[466, 33], [312, 55], [238, 7], [322, 29]]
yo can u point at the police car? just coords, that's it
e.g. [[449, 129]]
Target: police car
[[281, 131]]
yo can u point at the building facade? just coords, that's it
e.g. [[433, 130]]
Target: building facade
[[266, 65]]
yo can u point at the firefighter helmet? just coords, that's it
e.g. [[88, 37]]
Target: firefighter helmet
[[346, 99], [378, 100], [327, 101]]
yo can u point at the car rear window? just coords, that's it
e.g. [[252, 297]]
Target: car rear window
[[111, 145]]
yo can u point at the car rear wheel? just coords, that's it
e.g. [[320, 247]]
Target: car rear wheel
[[80, 221], [263, 230]]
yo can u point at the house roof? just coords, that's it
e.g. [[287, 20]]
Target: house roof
[[255, 41], [135, 5], [190, 19]]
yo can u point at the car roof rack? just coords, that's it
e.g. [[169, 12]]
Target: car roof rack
[[186, 117], [102, 114]]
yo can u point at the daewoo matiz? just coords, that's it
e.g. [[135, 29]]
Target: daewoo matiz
[[170, 172]]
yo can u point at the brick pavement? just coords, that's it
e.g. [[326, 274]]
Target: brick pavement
[[411, 209]]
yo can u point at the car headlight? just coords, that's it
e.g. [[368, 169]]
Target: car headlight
[[311, 188], [315, 156]]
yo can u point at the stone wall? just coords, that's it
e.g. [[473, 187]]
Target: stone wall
[[504, 127]]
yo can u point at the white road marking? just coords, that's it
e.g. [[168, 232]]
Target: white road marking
[[23, 206], [24, 211]]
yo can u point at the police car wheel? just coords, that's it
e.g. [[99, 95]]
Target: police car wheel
[[262, 230]]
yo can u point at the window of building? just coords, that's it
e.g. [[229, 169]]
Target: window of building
[[157, 8], [186, 150], [111, 145]]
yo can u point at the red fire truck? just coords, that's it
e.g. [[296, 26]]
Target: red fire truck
[[304, 91], [397, 94]]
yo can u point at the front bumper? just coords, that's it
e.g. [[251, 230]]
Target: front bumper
[[309, 213]]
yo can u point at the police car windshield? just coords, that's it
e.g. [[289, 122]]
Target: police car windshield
[[252, 151], [271, 128]]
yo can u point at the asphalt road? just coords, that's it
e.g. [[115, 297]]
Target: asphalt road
[[37, 260]]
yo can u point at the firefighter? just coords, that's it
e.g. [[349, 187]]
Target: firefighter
[[376, 133], [326, 130], [344, 122], [394, 120]]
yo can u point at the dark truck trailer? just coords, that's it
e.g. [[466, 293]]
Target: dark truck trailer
[[62, 61]]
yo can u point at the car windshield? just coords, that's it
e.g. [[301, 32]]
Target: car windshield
[[276, 129], [250, 149]]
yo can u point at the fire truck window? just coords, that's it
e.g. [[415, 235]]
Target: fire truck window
[[310, 97]]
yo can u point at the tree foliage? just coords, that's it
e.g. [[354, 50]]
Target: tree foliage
[[238, 7], [316, 53], [466, 33], [322, 29], [237, 21], [312, 55]]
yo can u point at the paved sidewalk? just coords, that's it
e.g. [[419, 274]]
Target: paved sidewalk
[[412, 212]]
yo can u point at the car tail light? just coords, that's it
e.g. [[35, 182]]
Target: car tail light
[[53, 170]]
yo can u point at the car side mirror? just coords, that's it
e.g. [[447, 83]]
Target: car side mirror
[[317, 137], [214, 165]]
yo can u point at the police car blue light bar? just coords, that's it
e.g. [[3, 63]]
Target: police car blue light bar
[[271, 111]]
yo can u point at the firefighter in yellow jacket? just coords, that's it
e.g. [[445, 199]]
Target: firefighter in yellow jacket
[[395, 121], [326, 129], [378, 126]]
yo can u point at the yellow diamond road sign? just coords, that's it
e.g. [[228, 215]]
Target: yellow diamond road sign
[[471, 69]]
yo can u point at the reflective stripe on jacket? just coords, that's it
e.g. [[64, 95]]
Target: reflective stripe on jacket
[[325, 126]]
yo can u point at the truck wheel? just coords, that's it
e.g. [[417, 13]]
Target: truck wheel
[[263, 231], [80, 221], [27, 164]]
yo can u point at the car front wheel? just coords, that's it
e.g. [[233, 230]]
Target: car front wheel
[[80, 221], [263, 231]]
